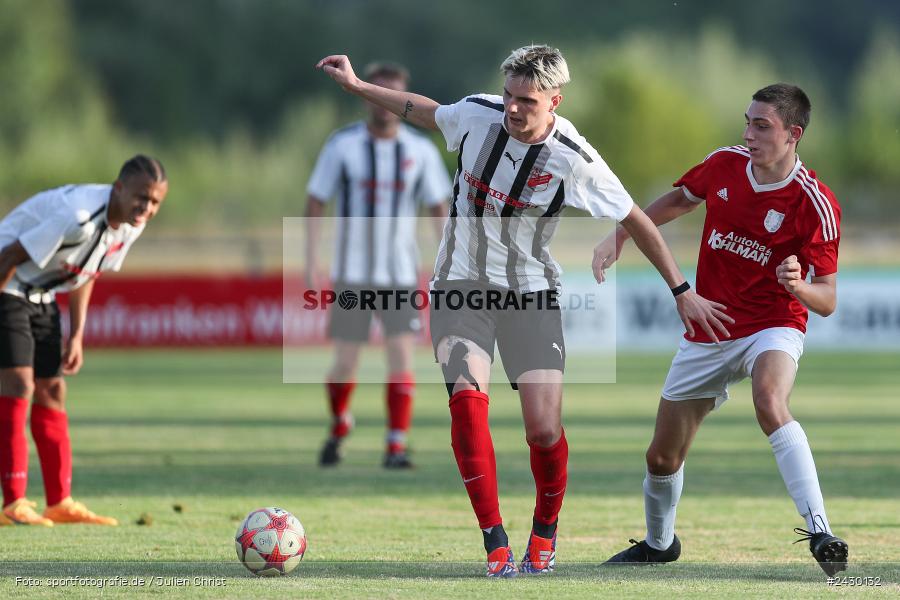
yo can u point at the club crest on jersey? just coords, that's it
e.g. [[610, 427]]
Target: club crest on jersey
[[773, 221], [539, 181]]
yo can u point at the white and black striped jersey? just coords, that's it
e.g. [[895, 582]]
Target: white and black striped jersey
[[508, 195], [68, 239], [379, 184]]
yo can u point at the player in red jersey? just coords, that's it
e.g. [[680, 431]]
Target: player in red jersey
[[769, 252], [518, 164]]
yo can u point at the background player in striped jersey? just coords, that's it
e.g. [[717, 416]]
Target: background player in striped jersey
[[769, 223], [59, 240], [519, 164], [381, 170]]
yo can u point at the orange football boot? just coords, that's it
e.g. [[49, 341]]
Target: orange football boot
[[70, 511], [21, 512]]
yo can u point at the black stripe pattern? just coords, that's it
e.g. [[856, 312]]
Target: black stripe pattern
[[571, 144], [544, 230], [371, 198], [484, 102], [488, 158], [509, 215], [344, 224], [55, 279], [393, 269], [447, 261]]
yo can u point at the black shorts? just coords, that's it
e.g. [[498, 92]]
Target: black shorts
[[349, 319], [30, 336], [527, 328]]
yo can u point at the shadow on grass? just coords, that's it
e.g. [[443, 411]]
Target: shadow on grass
[[877, 573], [232, 472]]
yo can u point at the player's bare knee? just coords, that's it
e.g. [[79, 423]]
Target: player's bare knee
[[767, 399], [771, 410], [543, 437], [50, 393], [342, 375], [663, 463], [343, 370], [17, 386], [771, 420]]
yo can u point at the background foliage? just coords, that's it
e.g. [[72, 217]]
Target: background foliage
[[224, 91]]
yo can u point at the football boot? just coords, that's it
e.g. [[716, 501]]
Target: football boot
[[830, 552], [540, 555], [70, 511], [641, 553], [21, 512]]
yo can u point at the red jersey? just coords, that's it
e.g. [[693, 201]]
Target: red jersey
[[750, 229]]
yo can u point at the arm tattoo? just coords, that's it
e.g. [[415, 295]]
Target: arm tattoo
[[409, 107]]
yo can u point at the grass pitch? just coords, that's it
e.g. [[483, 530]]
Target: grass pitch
[[197, 440]]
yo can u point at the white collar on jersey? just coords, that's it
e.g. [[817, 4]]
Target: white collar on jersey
[[769, 187]]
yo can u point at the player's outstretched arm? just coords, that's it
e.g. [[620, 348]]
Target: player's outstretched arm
[[667, 207], [418, 110], [818, 295], [692, 308]]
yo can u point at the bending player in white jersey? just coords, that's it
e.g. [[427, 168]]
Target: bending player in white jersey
[[59, 240], [381, 171], [519, 163], [770, 223]]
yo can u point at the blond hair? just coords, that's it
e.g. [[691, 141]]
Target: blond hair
[[541, 66]]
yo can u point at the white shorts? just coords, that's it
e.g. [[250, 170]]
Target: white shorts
[[706, 370]]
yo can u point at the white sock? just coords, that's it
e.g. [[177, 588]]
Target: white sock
[[661, 495], [795, 461]]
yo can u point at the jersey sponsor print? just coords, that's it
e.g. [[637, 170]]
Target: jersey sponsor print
[[750, 229]]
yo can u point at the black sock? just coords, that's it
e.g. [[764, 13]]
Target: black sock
[[494, 537], [542, 529]]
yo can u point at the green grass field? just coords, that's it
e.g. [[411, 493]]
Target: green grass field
[[219, 434]]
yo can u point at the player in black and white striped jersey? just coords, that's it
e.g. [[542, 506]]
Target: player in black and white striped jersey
[[526, 185], [519, 164], [379, 171], [59, 240]]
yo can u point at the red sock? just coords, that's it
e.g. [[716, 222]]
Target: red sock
[[50, 429], [474, 452], [339, 400], [400, 390], [13, 448], [550, 476]]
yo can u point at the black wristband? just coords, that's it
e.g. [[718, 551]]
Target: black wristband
[[676, 291]]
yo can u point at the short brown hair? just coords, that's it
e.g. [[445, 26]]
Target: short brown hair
[[790, 102], [385, 70]]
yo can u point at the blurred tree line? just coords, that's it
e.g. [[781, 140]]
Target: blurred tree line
[[225, 93]]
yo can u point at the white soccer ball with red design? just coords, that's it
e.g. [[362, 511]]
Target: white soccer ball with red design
[[270, 541]]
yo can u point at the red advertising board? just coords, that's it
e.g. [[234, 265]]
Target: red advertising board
[[203, 310], [191, 311]]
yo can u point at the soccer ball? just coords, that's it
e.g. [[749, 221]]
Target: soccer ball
[[270, 541]]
